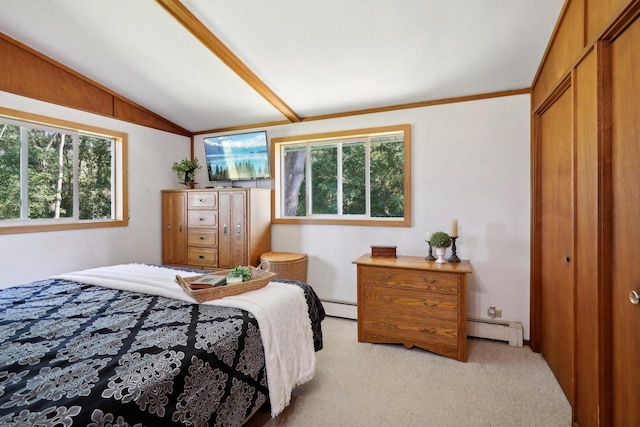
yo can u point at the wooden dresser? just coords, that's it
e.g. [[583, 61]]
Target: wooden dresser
[[414, 302]]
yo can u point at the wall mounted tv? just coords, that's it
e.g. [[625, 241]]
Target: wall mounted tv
[[242, 156]]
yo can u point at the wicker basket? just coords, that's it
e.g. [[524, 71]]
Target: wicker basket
[[287, 265], [260, 276]]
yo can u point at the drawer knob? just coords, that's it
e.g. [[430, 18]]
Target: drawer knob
[[202, 200], [201, 256], [203, 219], [385, 276], [201, 237]]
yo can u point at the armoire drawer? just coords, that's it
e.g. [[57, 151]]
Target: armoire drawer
[[203, 256], [202, 219], [203, 238], [202, 200]]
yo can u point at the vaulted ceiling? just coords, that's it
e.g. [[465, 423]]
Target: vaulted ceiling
[[212, 64]]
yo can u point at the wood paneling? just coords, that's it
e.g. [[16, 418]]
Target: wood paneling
[[599, 14], [556, 239], [564, 50], [26, 74], [129, 112], [29, 73], [625, 161], [586, 251], [605, 117]]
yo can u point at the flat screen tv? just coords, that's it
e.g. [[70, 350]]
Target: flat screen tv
[[242, 156]]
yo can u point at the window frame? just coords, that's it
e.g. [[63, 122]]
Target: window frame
[[277, 145], [119, 173]]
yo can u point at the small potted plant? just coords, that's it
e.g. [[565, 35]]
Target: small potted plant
[[440, 241], [187, 169], [239, 274]]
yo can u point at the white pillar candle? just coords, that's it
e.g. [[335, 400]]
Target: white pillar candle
[[453, 232], [428, 238]]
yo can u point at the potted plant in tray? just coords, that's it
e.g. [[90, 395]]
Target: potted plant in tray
[[187, 169], [440, 241]]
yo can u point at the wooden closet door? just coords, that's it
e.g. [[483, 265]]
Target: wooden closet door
[[625, 250], [556, 240]]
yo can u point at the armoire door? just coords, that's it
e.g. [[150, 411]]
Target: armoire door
[[625, 249], [556, 241], [232, 229], [174, 233]]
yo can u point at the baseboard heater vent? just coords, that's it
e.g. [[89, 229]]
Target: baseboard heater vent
[[480, 328], [336, 308], [495, 330]]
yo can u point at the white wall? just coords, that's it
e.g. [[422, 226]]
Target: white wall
[[470, 162], [34, 256]]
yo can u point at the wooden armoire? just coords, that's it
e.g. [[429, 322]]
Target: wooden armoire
[[215, 228], [586, 209]]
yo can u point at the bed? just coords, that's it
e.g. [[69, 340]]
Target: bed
[[131, 348]]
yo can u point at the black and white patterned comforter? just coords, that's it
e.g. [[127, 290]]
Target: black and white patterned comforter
[[76, 354]]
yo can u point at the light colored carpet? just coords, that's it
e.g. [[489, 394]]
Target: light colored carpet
[[358, 384]]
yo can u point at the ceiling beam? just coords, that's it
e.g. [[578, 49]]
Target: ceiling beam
[[202, 33]]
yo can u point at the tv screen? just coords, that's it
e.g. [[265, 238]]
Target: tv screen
[[242, 156]]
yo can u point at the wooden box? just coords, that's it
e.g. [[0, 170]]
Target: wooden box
[[378, 251]]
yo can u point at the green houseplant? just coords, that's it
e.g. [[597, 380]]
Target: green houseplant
[[241, 270], [186, 168], [440, 241]]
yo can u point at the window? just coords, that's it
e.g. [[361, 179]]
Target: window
[[59, 175], [359, 177]]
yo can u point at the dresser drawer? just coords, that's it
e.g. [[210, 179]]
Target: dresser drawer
[[203, 238], [410, 301], [202, 200], [404, 327], [421, 280], [203, 256], [202, 219]]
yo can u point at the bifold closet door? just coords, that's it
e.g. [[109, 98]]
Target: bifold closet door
[[556, 240]]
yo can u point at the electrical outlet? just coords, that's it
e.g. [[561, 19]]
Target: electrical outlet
[[493, 313]]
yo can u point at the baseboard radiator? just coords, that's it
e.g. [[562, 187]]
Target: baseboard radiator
[[510, 332], [336, 308], [495, 330]]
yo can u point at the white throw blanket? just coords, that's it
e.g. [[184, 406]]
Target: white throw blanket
[[280, 309]]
